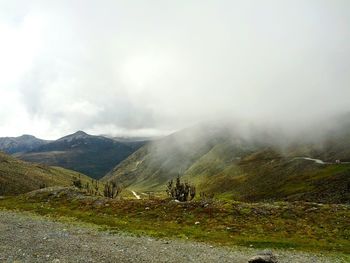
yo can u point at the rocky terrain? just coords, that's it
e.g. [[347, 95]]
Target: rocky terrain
[[27, 238]]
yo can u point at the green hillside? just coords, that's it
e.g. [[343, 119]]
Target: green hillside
[[241, 168], [155, 163], [269, 175], [18, 177]]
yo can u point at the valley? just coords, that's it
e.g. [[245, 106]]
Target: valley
[[174, 131], [250, 194]]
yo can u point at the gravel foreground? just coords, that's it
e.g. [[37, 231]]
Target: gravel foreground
[[28, 238]]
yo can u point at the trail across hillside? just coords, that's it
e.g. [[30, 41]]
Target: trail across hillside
[[24, 238], [136, 195], [311, 159], [319, 161]]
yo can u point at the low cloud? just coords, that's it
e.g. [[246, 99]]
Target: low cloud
[[153, 67]]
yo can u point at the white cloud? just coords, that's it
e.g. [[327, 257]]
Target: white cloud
[[156, 66]]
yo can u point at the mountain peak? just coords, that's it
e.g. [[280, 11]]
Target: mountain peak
[[79, 133], [27, 136], [76, 135]]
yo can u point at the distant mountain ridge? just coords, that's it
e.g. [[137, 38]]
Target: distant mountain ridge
[[22, 143], [88, 154]]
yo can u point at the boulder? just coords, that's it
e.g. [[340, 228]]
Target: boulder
[[265, 256]]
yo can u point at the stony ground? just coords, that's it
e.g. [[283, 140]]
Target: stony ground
[[27, 238]]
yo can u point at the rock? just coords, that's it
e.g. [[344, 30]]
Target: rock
[[265, 256]]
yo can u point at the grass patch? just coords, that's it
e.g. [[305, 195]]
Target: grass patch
[[303, 226]]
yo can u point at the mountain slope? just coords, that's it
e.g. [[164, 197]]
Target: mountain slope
[[241, 167], [18, 177], [269, 175], [22, 143], [91, 155], [159, 161]]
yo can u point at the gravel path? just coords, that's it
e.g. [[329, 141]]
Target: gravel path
[[27, 238]]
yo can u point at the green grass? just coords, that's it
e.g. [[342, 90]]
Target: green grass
[[302, 226], [18, 177]]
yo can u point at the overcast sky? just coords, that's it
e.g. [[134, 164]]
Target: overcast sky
[[152, 67]]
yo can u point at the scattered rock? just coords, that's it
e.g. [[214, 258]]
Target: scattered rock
[[265, 256], [82, 244]]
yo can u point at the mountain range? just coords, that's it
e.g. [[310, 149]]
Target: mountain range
[[22, 143], [88, 154], [244, 163]]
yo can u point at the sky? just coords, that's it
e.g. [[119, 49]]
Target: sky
[[148, 68]]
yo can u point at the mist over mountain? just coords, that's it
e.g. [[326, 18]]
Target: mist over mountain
[[232, 93], [245, 162], [187, 131], [154, 68]]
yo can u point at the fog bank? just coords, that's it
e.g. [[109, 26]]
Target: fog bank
[[148, 68]]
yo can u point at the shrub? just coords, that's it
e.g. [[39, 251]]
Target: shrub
[[77, 183], [42, 185], [111, 190], [181, 191]]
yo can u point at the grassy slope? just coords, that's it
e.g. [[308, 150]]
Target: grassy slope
[[234, 169], [248, 168], [18, 177], [267, 175], [155, 163], [299, 225]]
